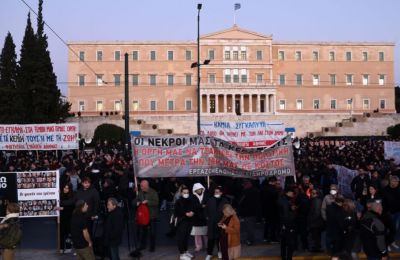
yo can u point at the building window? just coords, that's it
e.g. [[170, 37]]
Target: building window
[[170, 55], [117, 80], [135, 55], [99, 105], [333, 104], [365, 79], [349, 104], [299, 104], [81, 80], [188, 55], [135, 79], [188, 105], [299, 79], [227, 76], [365, 103], [349, 79], [170, 80], [332, 79], [235, 76], [99, 79], [117, 105], [153, 79], [152, 55], [282, 104], [235, 55], [243, 75], [259, 55], [81, 106], [315, 79], [99, 56], [298, 56], [135, 105], [282, 79], [211, 54], [153, 105], [382, 104], [117, 55], [188, 79], [227, 55], [332, 56], [316, 103], [315, 56], [243, 55], [381, 79], [259, 78], [348, 55], [170, 105], [211, 78], [281, 55], [381, 56], [82, 56], [365, 56]]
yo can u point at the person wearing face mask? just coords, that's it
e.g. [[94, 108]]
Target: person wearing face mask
[[199, 230], [214, 214], [184, 212], [329, 199]]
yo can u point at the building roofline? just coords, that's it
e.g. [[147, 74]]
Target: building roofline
[[130, 42], [333, 43], [236, 28]]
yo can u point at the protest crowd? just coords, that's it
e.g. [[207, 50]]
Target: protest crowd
[[306, 213]]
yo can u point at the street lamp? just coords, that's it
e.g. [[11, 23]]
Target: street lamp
[[198, 65]]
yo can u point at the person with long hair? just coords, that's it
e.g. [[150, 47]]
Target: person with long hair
[[11, 219], [230, 234], [66, 208]]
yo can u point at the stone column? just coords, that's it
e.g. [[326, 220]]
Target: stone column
[[225, 105], [233, 103], [208, 103], [258, 104], [266, 103], [216, 104], [241, 104], [250, 103]]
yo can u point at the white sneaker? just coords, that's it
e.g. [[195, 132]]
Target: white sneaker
[[188, 254], [184, 257], [208, 257], [394, 245], [219, 255]]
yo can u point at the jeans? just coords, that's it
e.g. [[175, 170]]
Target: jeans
[[396, 222], [114, 253]]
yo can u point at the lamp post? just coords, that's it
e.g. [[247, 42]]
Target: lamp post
[[127, 137], [198, 68]]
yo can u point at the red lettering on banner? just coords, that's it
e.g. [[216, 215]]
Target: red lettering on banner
[[191, 151], [71, 128], [145, 162], [167, 162], [196, 161], [175, 152]]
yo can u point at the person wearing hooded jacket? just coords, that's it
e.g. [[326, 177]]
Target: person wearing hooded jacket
[[199, 230], [184, 212]]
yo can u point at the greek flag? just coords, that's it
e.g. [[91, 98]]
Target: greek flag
[[237, 6]]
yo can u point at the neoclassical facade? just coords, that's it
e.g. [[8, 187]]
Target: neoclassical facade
[[248, 74]]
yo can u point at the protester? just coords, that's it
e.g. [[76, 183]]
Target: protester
[[287, 213], [315, 223], [230, 234], [10, 231], [249, 209], [214, 215], [391, 202], [80, 232], [270, 196], [335, 228], [329, 199], [148, 196], [66, 208], [113, 228], [373, 233], [184, 212], [199, 230], [359, 185]]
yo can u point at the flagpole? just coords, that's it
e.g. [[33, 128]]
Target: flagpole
[[234, 17]]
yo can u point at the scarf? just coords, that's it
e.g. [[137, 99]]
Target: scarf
[[8, 216]]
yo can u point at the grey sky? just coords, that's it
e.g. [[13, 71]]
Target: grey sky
[[288, 20]]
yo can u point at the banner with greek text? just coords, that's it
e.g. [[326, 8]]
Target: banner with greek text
[[39, 137], [190, 156], [392, 151], [251, 134], [37, 193]]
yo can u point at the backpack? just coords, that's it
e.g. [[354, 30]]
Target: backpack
[[11, 236], [142, 215]]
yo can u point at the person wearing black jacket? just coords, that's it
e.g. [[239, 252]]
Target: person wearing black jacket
[[199, 230], [249, 205], [113, 228], [315, 222], [359, 185], [373, 233], [184, 212], [287, 212], [335, 228], [66, 207], [270, 196]]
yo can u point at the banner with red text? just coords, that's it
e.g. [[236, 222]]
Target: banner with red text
[[39, 137], [37, 193], [251, 134], [190, 156]]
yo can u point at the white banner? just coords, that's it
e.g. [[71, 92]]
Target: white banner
[[251, 134], [392, 151], [39, 137]]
